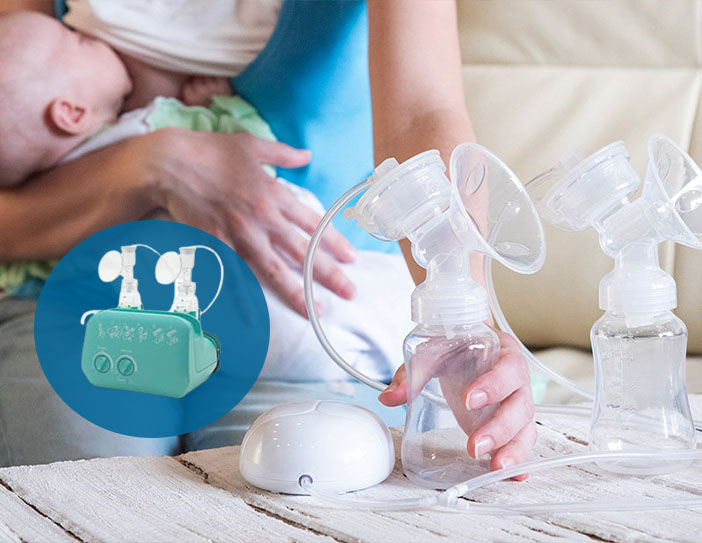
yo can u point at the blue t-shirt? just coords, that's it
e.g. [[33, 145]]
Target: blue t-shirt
[[310, 83]]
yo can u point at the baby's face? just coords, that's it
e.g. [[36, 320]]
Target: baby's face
[[56, 88], [94, 71]]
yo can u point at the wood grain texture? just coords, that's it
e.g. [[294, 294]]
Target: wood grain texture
[[144, 499], [19, 522], [202, 497]]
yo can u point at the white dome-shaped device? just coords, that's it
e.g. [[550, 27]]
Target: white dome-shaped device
[[341, 447]]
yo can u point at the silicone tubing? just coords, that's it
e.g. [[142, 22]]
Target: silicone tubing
[[221, 275], [505, 327], [449, 498]]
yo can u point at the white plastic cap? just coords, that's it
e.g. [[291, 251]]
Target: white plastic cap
[[402, 197], [637, 284], [585, 192], [449, 295]]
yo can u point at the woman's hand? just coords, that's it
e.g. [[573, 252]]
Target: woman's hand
[[511, 433], [215, 182]]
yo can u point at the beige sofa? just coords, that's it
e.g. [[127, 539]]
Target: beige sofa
[[543, 77]]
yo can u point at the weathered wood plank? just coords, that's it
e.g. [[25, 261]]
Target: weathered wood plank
[[202, 497], [557, 435], [144, 499], [19, 522]]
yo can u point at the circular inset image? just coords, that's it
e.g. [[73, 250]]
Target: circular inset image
[[151, 329]]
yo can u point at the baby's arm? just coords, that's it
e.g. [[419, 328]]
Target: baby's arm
[[199, 90]]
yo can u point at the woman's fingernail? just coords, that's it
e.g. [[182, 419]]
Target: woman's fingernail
[[392, 386], [483, 446], [507, 462], [348, 290], [476, 399]]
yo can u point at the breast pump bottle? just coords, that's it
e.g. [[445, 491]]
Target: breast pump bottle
[[639, 345], [447, 351], [485, 209]]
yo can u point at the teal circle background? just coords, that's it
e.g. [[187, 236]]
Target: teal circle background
[[239, 318]]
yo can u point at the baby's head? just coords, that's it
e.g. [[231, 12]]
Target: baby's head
[[56, 88]]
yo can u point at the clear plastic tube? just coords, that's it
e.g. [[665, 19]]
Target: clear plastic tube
[[505, 327], [450, 497], [221, 275]]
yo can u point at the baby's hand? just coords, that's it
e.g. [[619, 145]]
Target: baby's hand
[[199, 90]]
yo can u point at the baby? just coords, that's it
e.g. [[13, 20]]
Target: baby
[[62, 94], [59, 88]]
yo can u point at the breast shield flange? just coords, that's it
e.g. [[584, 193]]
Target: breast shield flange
[[491, 211], [485, 209]]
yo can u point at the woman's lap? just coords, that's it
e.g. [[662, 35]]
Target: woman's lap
[[37, 427]]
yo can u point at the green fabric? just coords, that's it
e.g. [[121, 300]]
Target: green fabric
[[16, 274], [229, 114], [226, 114]]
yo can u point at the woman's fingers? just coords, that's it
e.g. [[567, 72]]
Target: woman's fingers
[[332, 241], [276, 153], [516, 451], [326, 272], [510, 373], [511, 416], [396, 392], [272, 271]]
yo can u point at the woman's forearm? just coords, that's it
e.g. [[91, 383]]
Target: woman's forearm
[[48, 214], [416, 84]]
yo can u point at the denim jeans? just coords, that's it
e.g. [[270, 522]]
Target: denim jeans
[[37, 427]]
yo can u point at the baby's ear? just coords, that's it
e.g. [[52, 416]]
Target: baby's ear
[[69, 116]]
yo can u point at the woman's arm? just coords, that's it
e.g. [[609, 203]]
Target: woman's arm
[[211, 181], [44, 6], [416, 83], [418, 104], [47, 215]]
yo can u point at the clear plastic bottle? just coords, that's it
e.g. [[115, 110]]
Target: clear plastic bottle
[[442, 362], [641, 400]]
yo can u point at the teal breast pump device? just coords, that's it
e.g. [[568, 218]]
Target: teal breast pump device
[[165, 353], [639, 345], [484, 210]]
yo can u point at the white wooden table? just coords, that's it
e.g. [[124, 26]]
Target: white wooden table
[[201, 497]]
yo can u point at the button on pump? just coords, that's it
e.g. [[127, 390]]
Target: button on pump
[[126, 365], [102, 362]]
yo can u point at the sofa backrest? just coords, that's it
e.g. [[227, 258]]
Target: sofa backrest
[[544, 77]]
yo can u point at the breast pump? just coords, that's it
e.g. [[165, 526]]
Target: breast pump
[[165, 353], [486, 209], [639, 345]]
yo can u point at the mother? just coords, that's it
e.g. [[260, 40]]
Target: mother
[[314, 82]]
